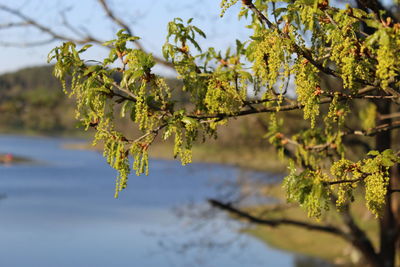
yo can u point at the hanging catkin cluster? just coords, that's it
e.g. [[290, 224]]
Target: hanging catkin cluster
[[295, 50]]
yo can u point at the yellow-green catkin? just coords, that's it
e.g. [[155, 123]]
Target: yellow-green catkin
[[307, 83], [225, 4]]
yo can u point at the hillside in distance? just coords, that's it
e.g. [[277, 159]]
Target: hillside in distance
[[32, 101]]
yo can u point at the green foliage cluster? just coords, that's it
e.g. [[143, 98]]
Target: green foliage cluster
[[373, 171], [308, 38], [308, 189]]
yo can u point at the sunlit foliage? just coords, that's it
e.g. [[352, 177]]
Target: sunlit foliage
[[276, 70]]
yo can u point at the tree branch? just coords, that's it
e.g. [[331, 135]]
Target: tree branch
[[344, 181], [358, 236], [125, 26], [376, 7], [259, 14], [80, 37], [277, 222], [27, 44], [31, 22], [13, 24], [288, 107], [117, 20], [374, 131], [370, 132], [389, 116]]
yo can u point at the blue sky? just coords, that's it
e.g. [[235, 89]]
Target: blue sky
[[148, 19]]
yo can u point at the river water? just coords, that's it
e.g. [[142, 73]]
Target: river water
[[60, 211]]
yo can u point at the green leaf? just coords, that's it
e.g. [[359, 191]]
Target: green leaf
[[133, 38], [256, 38], [199, 32], [91, 69], [373, 23], [373, 153], [84, 48], [108, 43], [189, 121], [388, 153], [387, 162]]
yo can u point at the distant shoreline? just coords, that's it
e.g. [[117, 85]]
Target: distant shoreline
[[250, 159], [9, 159]]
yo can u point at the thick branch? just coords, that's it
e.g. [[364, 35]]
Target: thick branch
[[277, 222], [359, 238]]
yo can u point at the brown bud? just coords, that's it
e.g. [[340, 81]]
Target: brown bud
[[387, 22], [340, 112], [94, 123], [286, 28], [184, 49], [318, 90], [323, 5], [119, 54], [279, 135], [324, 20], [396, 27], [305, 61], [144, 146], [223, 62]]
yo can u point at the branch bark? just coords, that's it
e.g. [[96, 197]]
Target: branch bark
[[277, 222], [288, 107]]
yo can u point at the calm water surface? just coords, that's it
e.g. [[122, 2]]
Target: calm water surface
[[61, 212]]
